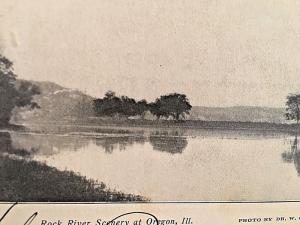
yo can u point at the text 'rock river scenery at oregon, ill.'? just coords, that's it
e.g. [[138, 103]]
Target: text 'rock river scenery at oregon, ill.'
[[138, 102]]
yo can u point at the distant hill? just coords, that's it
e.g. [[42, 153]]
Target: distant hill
[[238, 113], [60, 103], [56, 103]]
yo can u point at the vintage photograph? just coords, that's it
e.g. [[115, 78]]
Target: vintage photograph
[[149, 101]]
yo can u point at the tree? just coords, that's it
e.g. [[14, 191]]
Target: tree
[[155, 109], [26, 91], [293, 107], [141, 108], [128, 106], [110, 105], [13, 92], [173, 105]]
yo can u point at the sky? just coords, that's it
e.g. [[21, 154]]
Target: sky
[[217, 52]]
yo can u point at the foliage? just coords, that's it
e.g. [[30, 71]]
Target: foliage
[[111, 105], [142, 107], [175, 106], [155, 110], [108, 106], [13, 93], [293, 107]]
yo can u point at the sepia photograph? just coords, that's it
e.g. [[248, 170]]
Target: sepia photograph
[[149, 101]]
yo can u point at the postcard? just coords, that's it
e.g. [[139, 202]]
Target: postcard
[[149, 112]]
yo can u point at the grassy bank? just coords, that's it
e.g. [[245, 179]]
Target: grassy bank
[[23, 180]]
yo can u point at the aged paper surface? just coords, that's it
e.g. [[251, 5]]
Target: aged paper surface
[[145, 112]]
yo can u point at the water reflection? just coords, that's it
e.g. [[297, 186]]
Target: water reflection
[[24, 179], [5, 141], [109, 144], [293, 155], [168, 133], [172, 145], [6, 147], [48, 144], [161, 142], [165, 141], [172, 142], [223, 167]]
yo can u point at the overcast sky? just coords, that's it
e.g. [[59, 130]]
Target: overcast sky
[[220, 53]]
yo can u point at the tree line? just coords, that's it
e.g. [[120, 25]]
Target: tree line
[[172, 106]]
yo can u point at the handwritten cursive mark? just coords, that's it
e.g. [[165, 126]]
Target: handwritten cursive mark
[[125, 214], [28, 222], [7, 211], [30, 219]]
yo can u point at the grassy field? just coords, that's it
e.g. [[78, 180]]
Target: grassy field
[[23, 180]]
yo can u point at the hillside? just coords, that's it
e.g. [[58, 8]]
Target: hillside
[[59, 103], [238, 113], [56, 103]]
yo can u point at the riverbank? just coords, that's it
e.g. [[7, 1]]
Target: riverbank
[[30, 181], [187, 124]]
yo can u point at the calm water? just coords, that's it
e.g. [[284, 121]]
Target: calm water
[[173, 164]]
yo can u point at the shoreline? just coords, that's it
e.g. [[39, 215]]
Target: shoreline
[[31, 181], [167, 124]]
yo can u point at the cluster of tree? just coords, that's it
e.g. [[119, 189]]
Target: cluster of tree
[[293, 107], [112, 105], [175, 106], [13, 92]]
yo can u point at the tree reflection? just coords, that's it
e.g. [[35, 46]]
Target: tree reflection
[[293, 155], [171, 132], [111, 143], [6, 147], [5, 141], [26, 144], [171, 144], [48, 144]]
